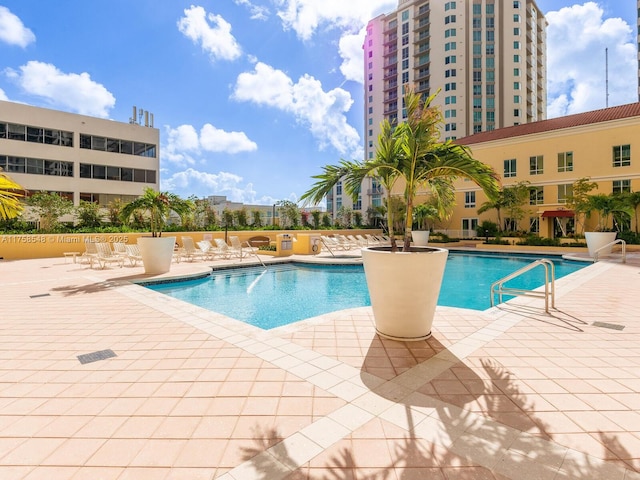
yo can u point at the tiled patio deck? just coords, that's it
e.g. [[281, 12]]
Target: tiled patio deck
[[507, 393]]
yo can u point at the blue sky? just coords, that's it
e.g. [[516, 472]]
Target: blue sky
[[252, 97]]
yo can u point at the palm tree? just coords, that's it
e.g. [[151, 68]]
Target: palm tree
[[10, 194], [413, 153], [632, 200], [158, 205]]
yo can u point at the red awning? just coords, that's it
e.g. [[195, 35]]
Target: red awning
[[557, 213]]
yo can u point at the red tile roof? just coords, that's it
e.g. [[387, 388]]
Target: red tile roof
[[587, 118]]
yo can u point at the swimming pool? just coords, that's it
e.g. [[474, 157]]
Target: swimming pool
[[286, 293]]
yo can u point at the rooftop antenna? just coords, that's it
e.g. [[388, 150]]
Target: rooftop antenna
[[606, 82]]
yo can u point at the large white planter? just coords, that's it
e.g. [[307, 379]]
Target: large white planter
[[404, 289], [156, 253], [420, 237], [597, 240]]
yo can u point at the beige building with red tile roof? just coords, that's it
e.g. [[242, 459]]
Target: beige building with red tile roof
[[550, 155]]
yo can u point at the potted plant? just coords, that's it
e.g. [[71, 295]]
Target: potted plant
[[422, 214], [404, 283], [156, 251], [605, 206]]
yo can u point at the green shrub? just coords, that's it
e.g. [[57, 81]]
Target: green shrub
[[535, 240]]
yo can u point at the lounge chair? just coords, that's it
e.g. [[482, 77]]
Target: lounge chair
[[90, 254], [133, 254], [224, 249], [243, 247], [120, 248], [106, 255], [190, 251]]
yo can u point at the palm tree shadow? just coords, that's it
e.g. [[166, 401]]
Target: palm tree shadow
[[446, 430]]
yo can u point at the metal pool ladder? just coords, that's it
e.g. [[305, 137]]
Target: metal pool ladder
[[549, 284]]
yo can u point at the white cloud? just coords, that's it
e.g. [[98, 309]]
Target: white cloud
[[258, 12], [350, 48], [213, 139], [322, 112], [212, 32], [203, 184], [13, 31], [577, 37], [184, 143], [3, 96], [72, 91], [307, 16]]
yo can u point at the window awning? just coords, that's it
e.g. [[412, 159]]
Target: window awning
[[557, 213]]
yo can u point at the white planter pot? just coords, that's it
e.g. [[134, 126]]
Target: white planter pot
[[420, 237], [404, 289], [156, 253], [597, 240]]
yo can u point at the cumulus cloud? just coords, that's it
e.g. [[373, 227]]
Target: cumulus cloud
[[577, 37], [322, 112], [305, 17], [211, 31], [204, 184], [350, 48], [13, 31], [69, 91], [185, 143], [258, 12]]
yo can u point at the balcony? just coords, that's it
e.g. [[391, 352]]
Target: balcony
[[375, 191], [391, 39], [392, 50], [422, 12], [390, 74], [422, 75], [421, 25], [391, 86], [391, 97]]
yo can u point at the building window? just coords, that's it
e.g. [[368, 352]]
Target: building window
[[339, 188], [450, 32], [114, 145], [28, 133], [449, 19], [469, 199], [565, 162], [622, 156], [516, 4], [449, 59], [510, 168], [449, 6], [536, 165], [405, 15], [36, 166], [516, 31], [564, 191], [516, 99], [405, 28], [516, 112], [516, 45], [449, 86], [516, 85], [534, 224], [405, 77], [536, 196], [516, 59], [622, 186], [516, 18]]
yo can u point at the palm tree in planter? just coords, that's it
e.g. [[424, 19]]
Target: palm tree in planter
[[605, 206], [156, 251], [404, 283]]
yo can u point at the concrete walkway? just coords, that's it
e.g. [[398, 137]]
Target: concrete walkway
[[172, 391]]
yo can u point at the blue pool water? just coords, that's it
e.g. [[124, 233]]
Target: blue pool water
[[284, 294]]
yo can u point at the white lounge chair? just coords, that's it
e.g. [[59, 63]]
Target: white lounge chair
[[190, 251], [106, 255], [133, 254], [242, 247], [90, 253], [120, 248]]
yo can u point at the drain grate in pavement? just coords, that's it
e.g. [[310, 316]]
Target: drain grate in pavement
[[95, 356], [40, 295], [612, 326]]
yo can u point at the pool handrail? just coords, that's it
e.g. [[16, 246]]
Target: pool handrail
[[549, 284], [609, 245]]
